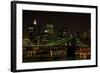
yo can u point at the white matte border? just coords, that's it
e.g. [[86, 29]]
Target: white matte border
[[37, 65]]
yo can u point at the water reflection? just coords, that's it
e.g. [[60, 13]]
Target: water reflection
[[55, 54]]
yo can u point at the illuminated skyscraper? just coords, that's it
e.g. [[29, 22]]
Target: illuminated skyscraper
[[33, 30], [50, 28]]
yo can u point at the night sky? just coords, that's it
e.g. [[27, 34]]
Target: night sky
[[74, 22]]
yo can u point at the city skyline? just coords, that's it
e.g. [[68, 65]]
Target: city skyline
[[74, 22]]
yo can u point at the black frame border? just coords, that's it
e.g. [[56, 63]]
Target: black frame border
[[13, 35]]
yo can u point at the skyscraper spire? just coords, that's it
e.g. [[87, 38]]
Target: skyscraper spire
[[35, 23]]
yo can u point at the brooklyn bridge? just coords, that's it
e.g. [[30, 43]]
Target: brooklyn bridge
[[67, 48]]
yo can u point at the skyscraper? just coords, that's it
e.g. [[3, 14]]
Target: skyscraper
[[33, 31], [50, 28]]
